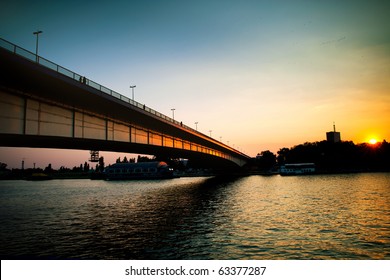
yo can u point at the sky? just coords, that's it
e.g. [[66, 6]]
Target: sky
[[261, 75]]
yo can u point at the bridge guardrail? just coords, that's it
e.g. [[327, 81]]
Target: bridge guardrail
[[64, 71]]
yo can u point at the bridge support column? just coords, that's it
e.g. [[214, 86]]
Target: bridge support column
[[106, 129], [73, 123], [25, 116], [39, 118]]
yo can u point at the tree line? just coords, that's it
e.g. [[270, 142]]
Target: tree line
[[343, 156]]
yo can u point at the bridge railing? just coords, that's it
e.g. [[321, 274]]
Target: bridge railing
[[64, 71]]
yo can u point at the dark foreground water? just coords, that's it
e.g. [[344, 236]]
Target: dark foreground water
[[312, 217]]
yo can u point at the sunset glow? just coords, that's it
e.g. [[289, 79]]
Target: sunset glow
[[373, 141]]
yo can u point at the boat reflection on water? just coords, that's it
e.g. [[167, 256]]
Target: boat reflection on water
[[138, 171]]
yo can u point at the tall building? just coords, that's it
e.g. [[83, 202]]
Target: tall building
[[333, 136]]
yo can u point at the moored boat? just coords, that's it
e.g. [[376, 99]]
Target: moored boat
[[297, 169], [138, 171]]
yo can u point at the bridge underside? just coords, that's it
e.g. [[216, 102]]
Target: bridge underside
[[35, 141]]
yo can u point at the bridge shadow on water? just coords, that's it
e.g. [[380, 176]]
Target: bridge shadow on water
[[177, 222], [83, 219]]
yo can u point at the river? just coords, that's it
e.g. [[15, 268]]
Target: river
[[256, 217]]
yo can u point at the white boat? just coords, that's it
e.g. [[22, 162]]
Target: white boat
[[138, 171], [297, 169]]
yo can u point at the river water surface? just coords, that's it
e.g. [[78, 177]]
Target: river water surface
[[255, 217]]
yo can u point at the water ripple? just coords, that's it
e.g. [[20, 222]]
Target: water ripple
[[314, 217]]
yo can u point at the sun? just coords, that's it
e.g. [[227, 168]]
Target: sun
[[373, 141]]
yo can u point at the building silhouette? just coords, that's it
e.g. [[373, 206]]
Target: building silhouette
[[333, 136]]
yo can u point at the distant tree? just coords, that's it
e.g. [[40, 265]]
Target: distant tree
[[266, 160], [143, 159], [283, 155], [101, 164], [118, 160], [3, 166], [78, 169], [64, 169], [86, 167], [125, 160], [48, 168]]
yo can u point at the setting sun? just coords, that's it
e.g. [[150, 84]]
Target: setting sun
[[373, 141]]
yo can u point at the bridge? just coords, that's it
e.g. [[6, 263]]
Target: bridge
[[45, 105]]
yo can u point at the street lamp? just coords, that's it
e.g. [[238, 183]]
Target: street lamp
[[132, 91], [173, 113], [196, 126], [36, 46], [210, 132]]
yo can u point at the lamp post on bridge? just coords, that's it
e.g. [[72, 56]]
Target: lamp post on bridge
[[210, 132], [36, 44], [196, 126], [132, 91], [173, 113]]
